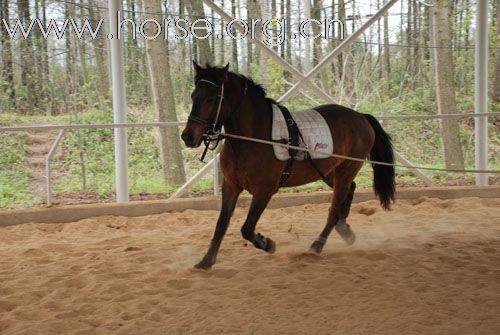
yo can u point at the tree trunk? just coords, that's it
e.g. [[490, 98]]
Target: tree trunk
[[415, 42], [221, 42], [379, 46], [333, 42], [274, 15], [82, 51], [496, 84], [26, 60], [469, 56], [316, 15], [70, 60], [409, 42], [307, 60], [45, 61], [163, 100], [318, 51], [212, 37], [37, 71], [7, 71], [288, 46], [202, 45], [234, 43], [100, 51], [282, 12], [341, 12], [445, 90], [431, 54], [131, 45], [252, 52], [263, 57]]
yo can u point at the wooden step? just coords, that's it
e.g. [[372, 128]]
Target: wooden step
[[36, 161], [38, 139]]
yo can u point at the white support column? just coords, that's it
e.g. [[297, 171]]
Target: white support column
[[119, 104], [481, 91]]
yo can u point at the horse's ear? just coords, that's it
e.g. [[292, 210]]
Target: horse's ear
[[225, 72], [196, 68]]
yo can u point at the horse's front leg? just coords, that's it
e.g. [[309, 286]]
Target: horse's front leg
[[259, 203], [230, 193]]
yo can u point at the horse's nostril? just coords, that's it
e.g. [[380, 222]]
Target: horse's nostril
[[187, 138]]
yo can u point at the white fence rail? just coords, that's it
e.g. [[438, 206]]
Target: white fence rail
[[212, 164], [182, 123]]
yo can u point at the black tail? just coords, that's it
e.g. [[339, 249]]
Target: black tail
[[383, 176]]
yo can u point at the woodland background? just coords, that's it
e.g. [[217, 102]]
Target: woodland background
[[416, 60]]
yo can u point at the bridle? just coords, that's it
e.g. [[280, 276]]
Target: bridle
[[213, 133], [197, 119]]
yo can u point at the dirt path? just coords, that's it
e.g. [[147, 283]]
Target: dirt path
[[39, 143]]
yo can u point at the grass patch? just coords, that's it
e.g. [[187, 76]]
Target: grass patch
[[14, 175]]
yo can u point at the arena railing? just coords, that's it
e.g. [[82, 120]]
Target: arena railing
[[211, 164]]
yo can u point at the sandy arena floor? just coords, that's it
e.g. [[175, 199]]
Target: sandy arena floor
[[428, 267]]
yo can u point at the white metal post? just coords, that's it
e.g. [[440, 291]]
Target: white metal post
[[217, 180], [481, 92], [119, 103]]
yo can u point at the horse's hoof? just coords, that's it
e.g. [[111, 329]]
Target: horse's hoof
[[203, 265], [317, 247], [344, 230], [349, 240], [264, 243], [271, 246]]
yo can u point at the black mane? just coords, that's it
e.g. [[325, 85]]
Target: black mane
[[213, 72]]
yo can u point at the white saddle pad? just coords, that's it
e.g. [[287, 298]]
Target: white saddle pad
[[313, 128]]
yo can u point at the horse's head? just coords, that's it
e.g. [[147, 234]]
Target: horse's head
[[207, 113]]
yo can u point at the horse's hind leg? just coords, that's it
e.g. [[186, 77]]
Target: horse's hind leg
[[343, 190], [342, 227], [230, 193], [259, 203]]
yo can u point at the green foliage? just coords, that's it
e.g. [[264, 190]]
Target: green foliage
[[363, 87], [14, 177]]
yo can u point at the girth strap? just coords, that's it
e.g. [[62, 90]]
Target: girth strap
[[311, 161], [294, 137]]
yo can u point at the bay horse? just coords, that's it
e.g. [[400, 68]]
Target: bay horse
[[224, 98]]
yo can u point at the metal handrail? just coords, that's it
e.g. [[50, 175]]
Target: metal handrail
[[48, 170], [181, 123], [197, 176]]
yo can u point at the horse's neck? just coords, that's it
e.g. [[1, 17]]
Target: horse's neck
[[252, 118]]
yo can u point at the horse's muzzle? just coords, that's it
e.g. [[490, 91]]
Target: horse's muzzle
[[191, 140]]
